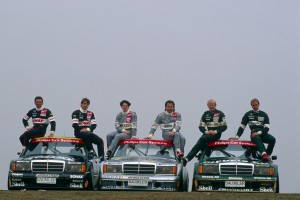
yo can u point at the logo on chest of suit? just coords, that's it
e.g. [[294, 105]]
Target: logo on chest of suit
[[174, 115], [89, 115], [43, 113], [128, 117]]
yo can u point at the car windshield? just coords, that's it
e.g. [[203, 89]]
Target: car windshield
[[55, 148], [228, 151], [128, 150]]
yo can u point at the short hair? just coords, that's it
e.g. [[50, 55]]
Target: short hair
[[211, 101], [85, 100], [253, 100], [171, 102], [125, 101], [38, 97]]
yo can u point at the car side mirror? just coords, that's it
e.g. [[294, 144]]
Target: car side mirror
[[274, 157]]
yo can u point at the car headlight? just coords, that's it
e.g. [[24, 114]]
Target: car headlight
[[20, 166], [76, 168], [112, 168], [208, 169], [263, 171], [166, 170]]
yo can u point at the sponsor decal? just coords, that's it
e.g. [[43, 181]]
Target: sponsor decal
[[210, 176], [71, 140], [84, 123], [230, 142], [263, 189], [260, 119], [236, 189], [262, 178], [174, 115], [203, 187], [16, 175], [18, 184], [74, 185], [155, 142], [76, 176], [235, 178]]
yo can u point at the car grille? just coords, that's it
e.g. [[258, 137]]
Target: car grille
[[139, 169], [236, 169], [48, 166]]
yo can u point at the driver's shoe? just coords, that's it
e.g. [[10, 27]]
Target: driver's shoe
[[265, 157]]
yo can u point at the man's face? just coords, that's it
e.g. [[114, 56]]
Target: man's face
[[255, 105], [211, 106], [38, 103], [169, 107], [125, 107], [84, 105]]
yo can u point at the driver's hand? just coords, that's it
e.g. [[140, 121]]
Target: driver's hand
[[211, 132], [149, 136], [135, 138]]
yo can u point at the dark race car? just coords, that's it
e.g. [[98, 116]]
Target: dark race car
[[55, 163], [233, 165], [149, 165]]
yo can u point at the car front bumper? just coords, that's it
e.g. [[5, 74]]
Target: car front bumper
[[29, 180], [234, 184], [140, 182]]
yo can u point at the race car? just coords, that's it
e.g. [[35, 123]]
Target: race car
[[55, 163], [142, 164], [235, 166]]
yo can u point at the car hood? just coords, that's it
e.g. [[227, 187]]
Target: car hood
[[50, 157], [230, 160], [142, 159]]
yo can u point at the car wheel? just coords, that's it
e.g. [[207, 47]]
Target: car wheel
[[93, 184], [277, 184]]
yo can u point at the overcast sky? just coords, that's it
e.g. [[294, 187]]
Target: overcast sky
[[149, 52]]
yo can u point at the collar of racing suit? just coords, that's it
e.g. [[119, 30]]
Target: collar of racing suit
[[256, 111], [83, 111], [169, 113], [126, 112], [39, 109]]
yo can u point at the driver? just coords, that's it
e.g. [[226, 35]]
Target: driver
[[170, 123], [126, 125], [84, 123], [259, 125], [41, 117], [212, 125]]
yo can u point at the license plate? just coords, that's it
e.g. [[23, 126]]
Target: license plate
[[43, 180], [234, 183], [137, 183]]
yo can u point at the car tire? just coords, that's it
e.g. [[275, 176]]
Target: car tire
[[277, 184], [91, 185]]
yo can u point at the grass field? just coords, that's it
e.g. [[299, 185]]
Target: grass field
[[105, 195]]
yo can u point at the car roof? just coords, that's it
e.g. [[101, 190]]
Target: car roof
[[231, 142], [58, 139], [147, 141]]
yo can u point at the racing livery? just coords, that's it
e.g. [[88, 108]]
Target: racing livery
[[233, 165], [144, 164], [40, 119], [54, 163]]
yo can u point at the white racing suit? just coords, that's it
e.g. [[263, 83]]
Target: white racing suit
[[170, 122], [124, 121]]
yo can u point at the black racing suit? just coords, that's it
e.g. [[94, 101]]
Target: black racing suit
[[215, 121], [85, 119], [41, 117], [258, 122]]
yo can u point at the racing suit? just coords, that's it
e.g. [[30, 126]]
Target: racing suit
[[258, 122], [215, 121], [41, 117], [82, 119], [124, 121], [170, 122]]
